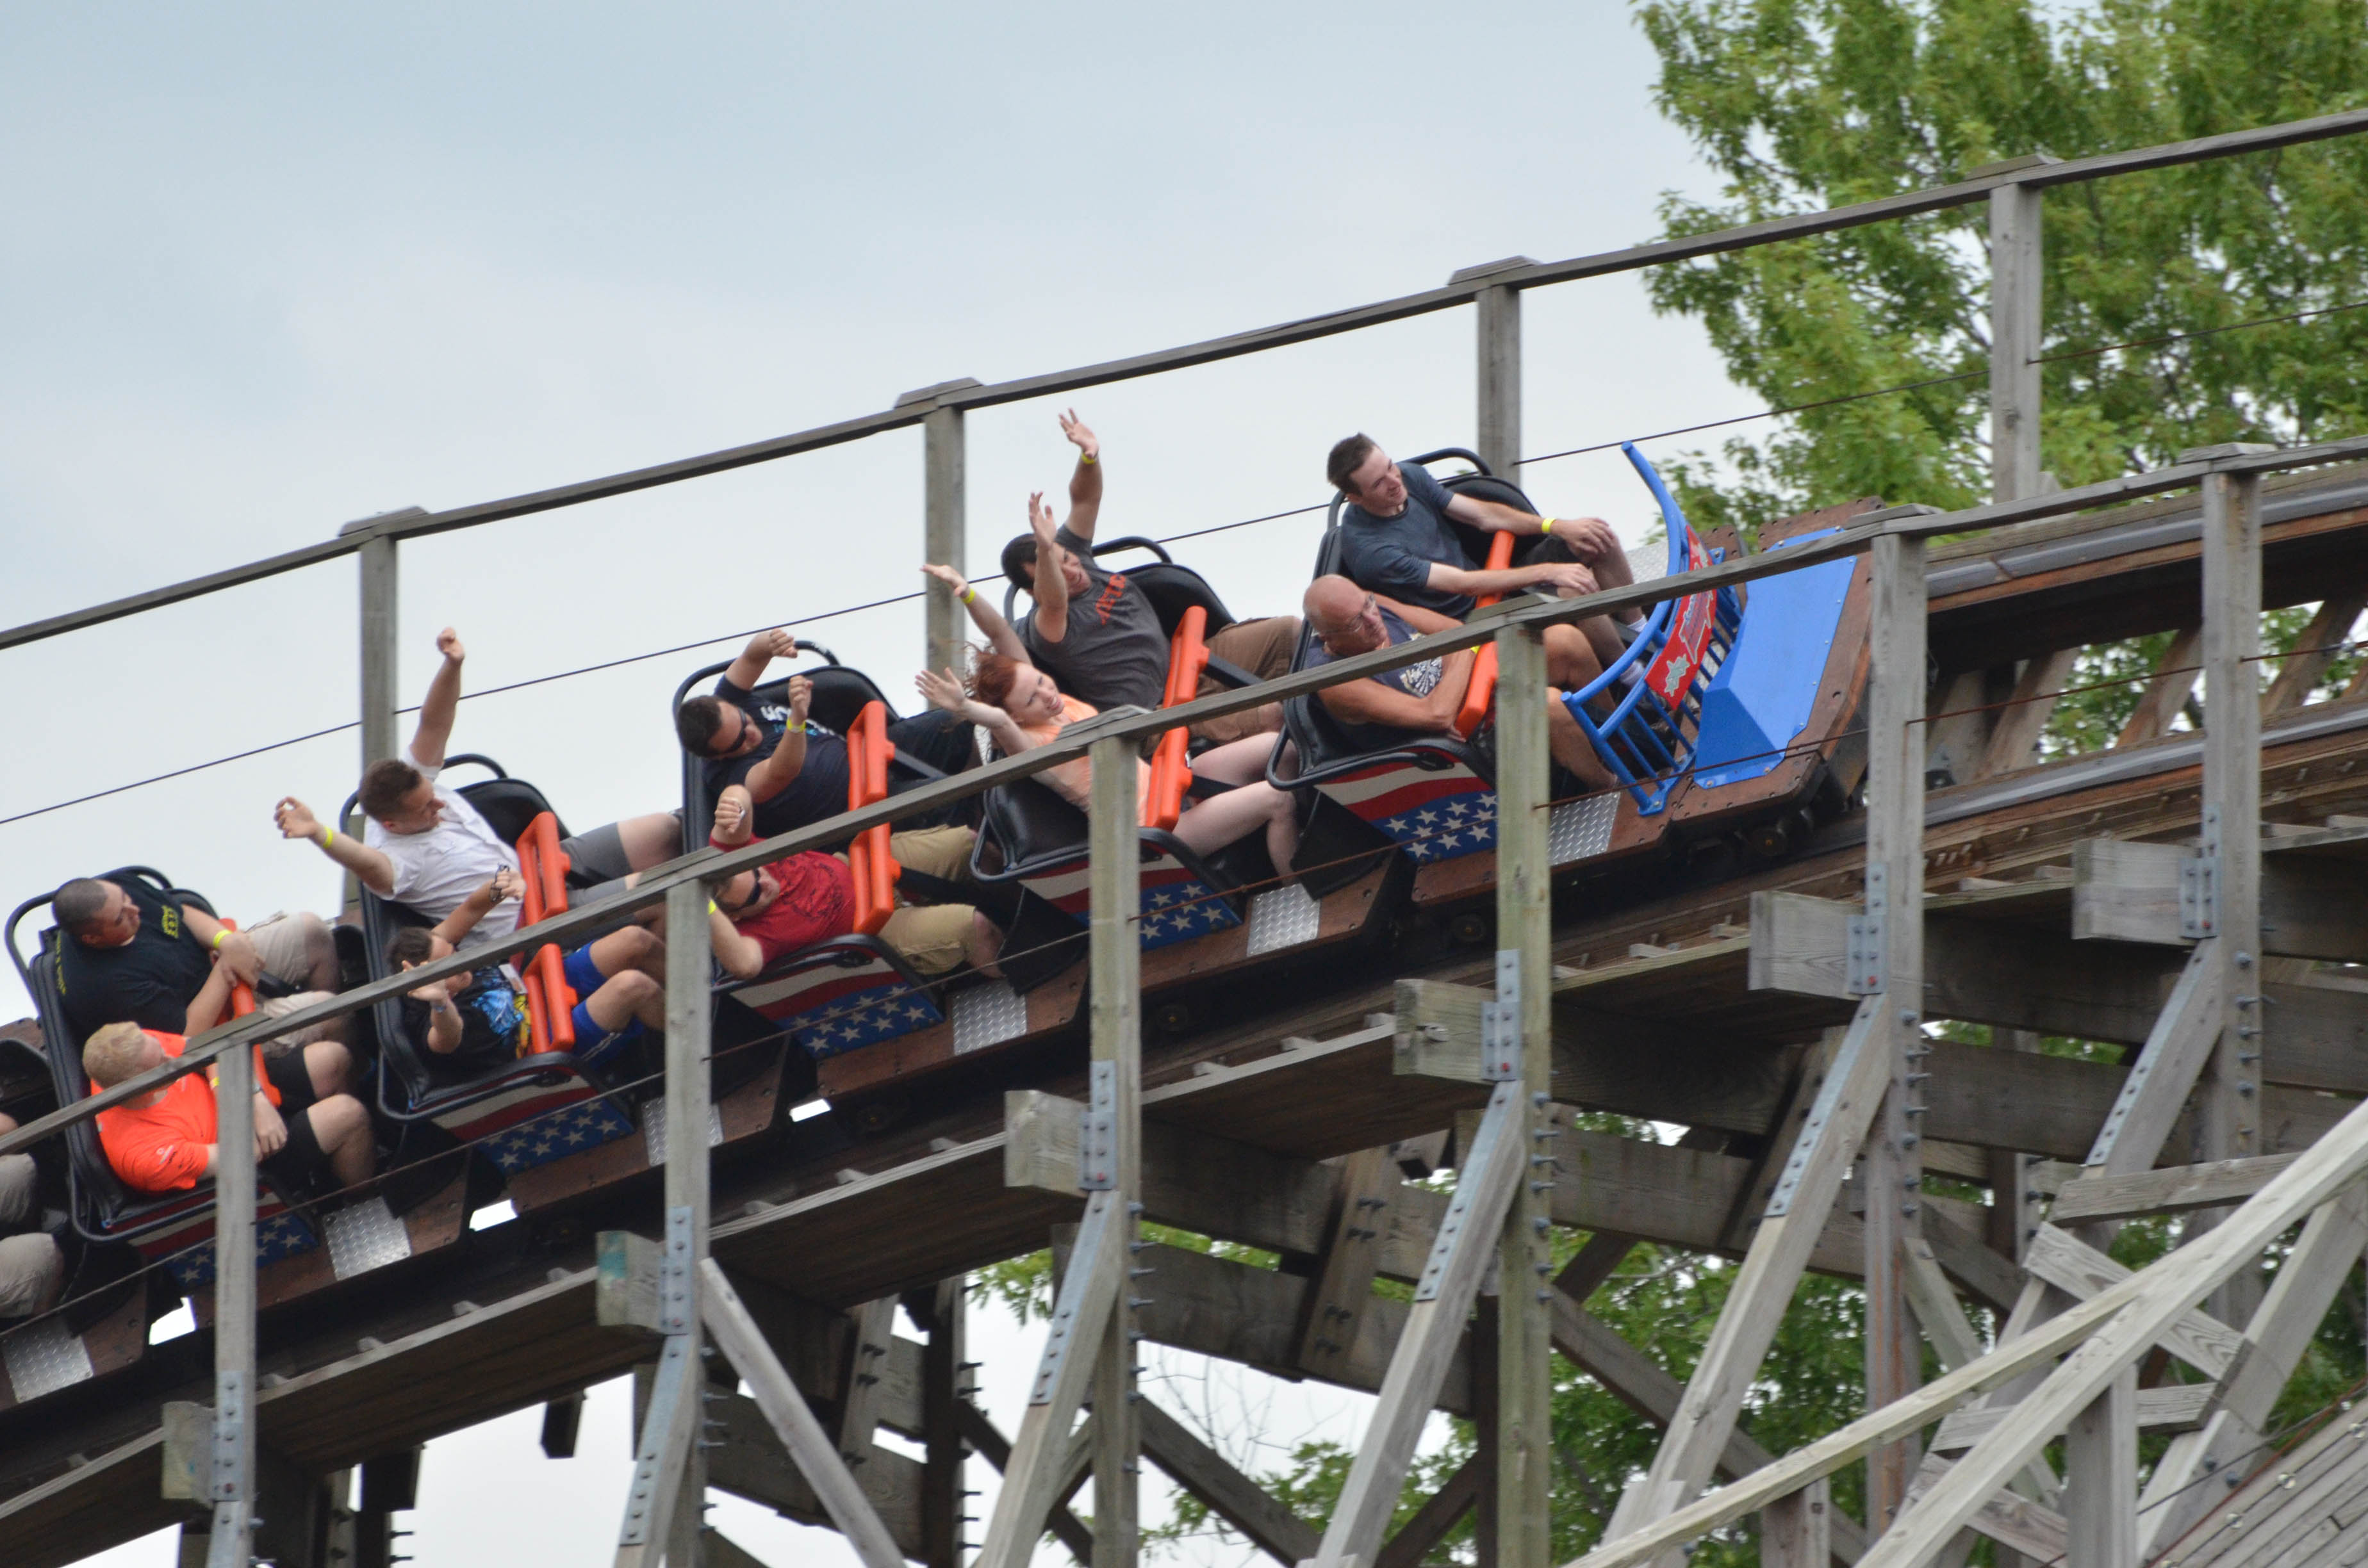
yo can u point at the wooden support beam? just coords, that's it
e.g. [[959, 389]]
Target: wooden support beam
[[945, 1387], [1233, 1497], [2310, 904], [1496, 1161], [1729, 1363], [2174, 1407], [1115, 960], [2315, 647], [2123, 1322], [561, 1419], [1525, 965], [2081, 1272], [2156, 1091], [2170, 1190], [1343, 1281], [860, 1383], [1412, 1544], [792, 1420], [993, 1447], [231, 1474], [1797, 1531], [2174, 678], [2014, 738], [2015, 1523], [749, 1461], [2101, 1478]]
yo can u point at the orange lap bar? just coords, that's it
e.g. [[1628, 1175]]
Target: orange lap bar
[[1171, 769], [242, 1002], [1481, 692], [550, 1000], [868, 752]]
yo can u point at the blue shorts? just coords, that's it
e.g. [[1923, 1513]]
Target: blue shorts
[[594, 1044]]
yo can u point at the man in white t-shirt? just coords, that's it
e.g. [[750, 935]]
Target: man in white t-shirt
[[427, 849]]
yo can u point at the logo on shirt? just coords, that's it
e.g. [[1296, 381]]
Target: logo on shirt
[[1112, 591], [168, 920], [1417, 680]]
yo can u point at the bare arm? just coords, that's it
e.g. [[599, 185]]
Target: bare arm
[[1568, 577], [233, 947], [212, 1000], [1051, 588], [743, 957], [1370, 702], [374, 870], [442, 705], [758, 657], [940, 689], [443, 1017], [776, 772], [1086, 481], [463, 919], [1590, 538], [983, 613]]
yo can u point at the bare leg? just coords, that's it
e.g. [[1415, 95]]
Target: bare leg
[[1235, 762], [1212, 824], [650, 840], [1572, 658], [330, 1066], [1569, 745], [342, 1127], [632, 949]]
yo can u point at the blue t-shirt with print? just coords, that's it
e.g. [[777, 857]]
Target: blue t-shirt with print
[[1393, 556]]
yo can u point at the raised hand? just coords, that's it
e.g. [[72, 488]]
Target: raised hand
[[1039, 519], [295, 818], [732, 809], [448, 642], [1087, 444], [953, 579], [768, 645], [943, 689], [801, 697]]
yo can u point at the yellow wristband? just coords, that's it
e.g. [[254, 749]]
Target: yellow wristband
[[710, 906], [969, 594], [328, 836], [1087, 457], [220, 937], [1545, 525], [797, 726]]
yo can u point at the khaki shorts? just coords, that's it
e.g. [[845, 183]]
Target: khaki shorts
[[1264, 647], [284, 944], [32, 1268], [931, 936]]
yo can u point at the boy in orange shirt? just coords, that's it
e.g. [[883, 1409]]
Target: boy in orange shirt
[[165, 1140]]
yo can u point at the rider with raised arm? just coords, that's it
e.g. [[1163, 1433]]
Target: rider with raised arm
[[795, 770], [426, 846], [1093, 631], [1395, 541], [1019, 705], [1420, 699]]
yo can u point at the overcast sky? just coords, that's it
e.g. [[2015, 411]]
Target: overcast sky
[[267, 269]]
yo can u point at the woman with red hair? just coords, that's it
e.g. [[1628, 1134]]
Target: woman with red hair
[[1019, 705]]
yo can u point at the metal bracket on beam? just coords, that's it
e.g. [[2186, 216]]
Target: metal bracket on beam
[[652, 1474], [674, 1273], [1821, 1111], [1500, 1023], [1098, 1130], [2198, 884], [1060, 1338], [1865, 955], [230, 1423], [1504, 1110]]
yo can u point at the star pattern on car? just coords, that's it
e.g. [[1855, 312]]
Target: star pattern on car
[[284, 1235], [865, 1017], [1444, 828], [555, 1134], [1181, 910]]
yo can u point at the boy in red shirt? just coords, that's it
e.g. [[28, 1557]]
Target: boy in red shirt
[[165, 1140]]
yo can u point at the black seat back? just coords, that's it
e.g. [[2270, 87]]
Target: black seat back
[[839, 694]]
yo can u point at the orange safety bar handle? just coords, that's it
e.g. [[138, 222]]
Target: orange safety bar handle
[[242, 1004], [1481, 694], [1171, 768], [869, 858], [550, 1000]]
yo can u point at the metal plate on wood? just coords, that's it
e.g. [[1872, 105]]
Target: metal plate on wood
[[1098, 1130], [43, 1358], [2198, 884], [1578, 829], [364, 1237], [1283, 917], [1865, 950], [1821, 1111], [675, 1310], [653, 1128], [989, 1015], [1501, 1122], [1500, 1023]]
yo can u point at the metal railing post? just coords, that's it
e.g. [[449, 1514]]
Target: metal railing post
[[2014, 330], [232, 1544], [1116, 960]]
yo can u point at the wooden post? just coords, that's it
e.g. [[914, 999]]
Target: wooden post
[[2230, 1092], [2100, 1451], [1894, 863], [232, 1490], [1116, 959], [2015, 335], [1524, 937], [942, 1393], [1499, 381], [945, 511], [690, 1003], [1797, 1531]]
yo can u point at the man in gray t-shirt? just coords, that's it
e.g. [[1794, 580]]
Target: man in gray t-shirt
[[1096, 633]]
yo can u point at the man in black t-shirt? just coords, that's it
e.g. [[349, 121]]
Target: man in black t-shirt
[[793, 769], [132, 956], [1395, 540], [1097, 635]]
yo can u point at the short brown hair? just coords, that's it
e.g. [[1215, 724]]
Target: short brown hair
[[79, 904], [1349, 455], [412, 944], [695, 723], [386, 784], [112, 1054]]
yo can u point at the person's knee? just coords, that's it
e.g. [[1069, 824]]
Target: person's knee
[[330, 1066], [339, 1120], [625, 997], [628, 949]]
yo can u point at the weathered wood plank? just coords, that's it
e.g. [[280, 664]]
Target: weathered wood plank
[[2170, 1190], [2082, 1272]]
